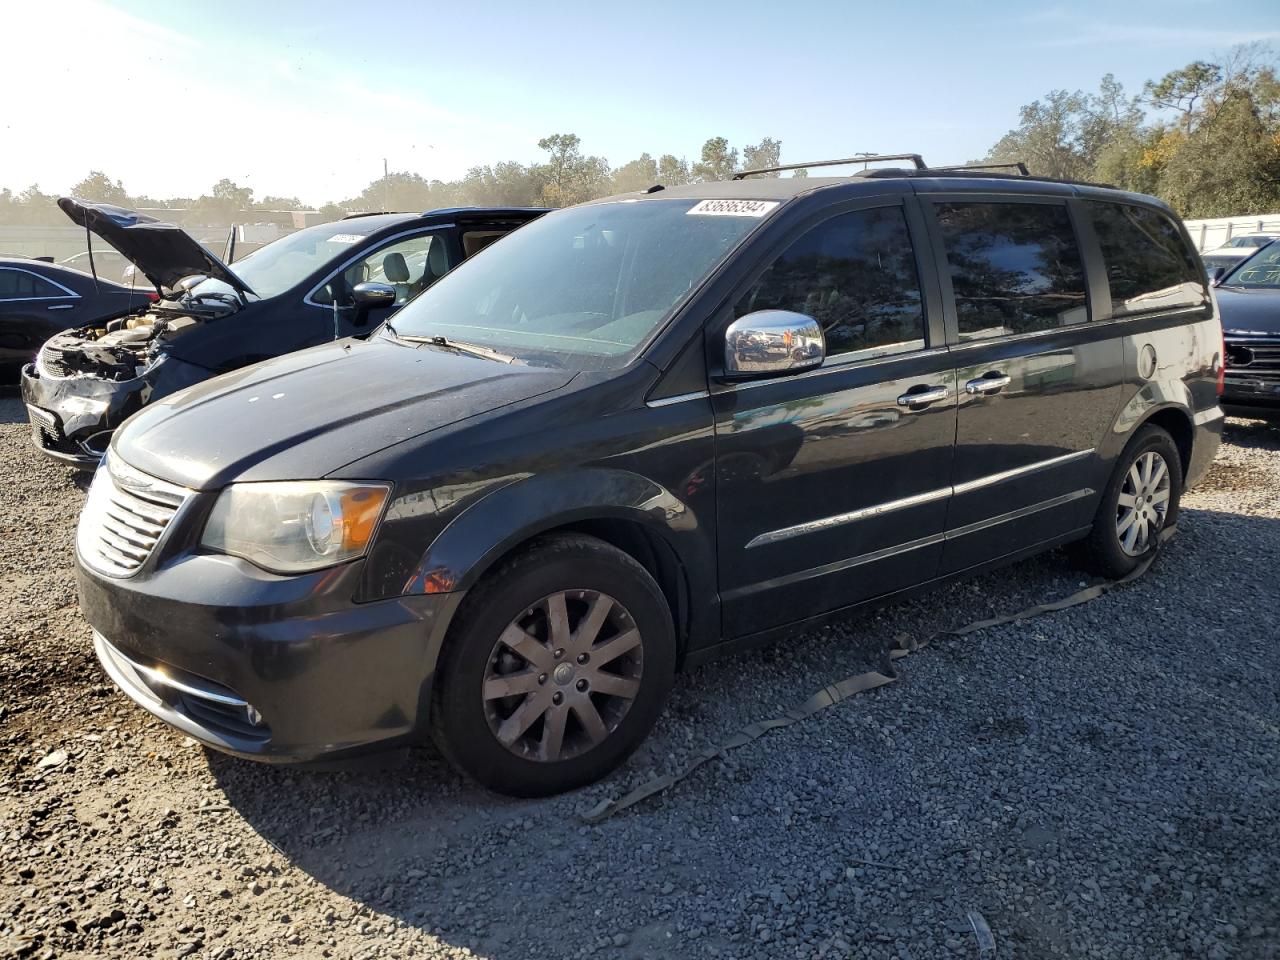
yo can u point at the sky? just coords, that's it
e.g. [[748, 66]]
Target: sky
[[308, 99]]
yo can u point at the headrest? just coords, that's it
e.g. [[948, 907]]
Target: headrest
[[394, 268], [437, 258]]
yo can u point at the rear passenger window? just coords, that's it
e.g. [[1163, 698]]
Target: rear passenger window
[[1015, 267], [1148, 264], [856, 275], [23, 285]]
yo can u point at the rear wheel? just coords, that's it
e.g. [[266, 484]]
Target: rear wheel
[[1140, 501], [556, 669]]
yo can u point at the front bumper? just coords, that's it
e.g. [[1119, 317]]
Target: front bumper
[[1251, 384], [1246, 395], [284, 669], [72, 419]]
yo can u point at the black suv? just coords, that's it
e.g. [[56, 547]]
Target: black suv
[[321, 283], [640, 432]]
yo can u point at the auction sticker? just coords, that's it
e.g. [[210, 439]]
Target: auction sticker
[[346, 238], [732, 208]]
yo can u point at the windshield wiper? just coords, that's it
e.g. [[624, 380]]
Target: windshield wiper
[[462, 347]]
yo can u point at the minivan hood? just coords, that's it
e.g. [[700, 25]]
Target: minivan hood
[[306, 414], [164, 252], [1249, 312]]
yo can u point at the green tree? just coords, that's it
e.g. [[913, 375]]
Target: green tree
[[1048, 138], [767, 153], [639, 174], [673, 171], [1183, 91], [568, 176], [99, 188], [718, 162]]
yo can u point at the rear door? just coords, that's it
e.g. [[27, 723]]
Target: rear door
[[831, 485], [1038, 384]]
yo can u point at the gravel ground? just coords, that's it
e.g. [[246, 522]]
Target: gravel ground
[[1100, 782]]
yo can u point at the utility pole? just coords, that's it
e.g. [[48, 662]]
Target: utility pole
[[385, 185]]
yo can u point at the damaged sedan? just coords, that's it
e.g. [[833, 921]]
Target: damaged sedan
[[321, 283]]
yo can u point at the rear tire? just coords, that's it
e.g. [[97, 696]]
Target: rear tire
[[556, 668], [1140, 501]]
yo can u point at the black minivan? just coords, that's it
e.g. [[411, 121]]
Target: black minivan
[[638, 433]]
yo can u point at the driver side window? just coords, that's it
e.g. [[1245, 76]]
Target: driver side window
[[856, 275], [410, 265]]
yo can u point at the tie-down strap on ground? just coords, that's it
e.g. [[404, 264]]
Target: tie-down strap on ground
[[853, 685]]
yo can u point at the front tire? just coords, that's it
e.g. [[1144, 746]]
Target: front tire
[[556, 668], [1140, 501]]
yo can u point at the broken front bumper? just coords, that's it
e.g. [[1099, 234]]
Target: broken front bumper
[[72, 418]]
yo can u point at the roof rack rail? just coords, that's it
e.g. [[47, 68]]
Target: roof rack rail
[[915, 158], [1016, 165]]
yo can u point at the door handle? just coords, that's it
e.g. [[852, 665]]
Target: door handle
[[988, 384], [922, 398]]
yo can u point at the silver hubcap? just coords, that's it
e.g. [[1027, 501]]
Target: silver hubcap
[[563, 675], [1143, 504]]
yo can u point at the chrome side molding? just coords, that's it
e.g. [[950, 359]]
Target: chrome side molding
[[929, 496]]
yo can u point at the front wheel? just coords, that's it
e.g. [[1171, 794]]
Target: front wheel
[[1139, 503], [556, 668]]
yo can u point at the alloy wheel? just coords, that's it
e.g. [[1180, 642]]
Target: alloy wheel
[[562, 675], [1143, 503]]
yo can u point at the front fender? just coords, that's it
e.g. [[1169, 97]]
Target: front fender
[[512, 514]]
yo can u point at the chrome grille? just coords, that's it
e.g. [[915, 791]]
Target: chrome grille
[[1253, 359], [124, 517]]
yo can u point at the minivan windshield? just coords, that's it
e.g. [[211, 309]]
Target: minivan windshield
[[583, 287], [1262, 270], [286, 262]]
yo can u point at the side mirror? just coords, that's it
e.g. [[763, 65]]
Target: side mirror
[[770, 343], [372, 295]]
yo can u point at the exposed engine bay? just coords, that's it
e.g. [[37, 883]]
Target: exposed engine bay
[[123, 348]]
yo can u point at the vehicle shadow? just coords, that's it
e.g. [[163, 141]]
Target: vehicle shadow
[[1255, 434], [11, 408], [484, 872]]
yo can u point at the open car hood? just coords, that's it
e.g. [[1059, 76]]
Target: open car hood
[[164, 252]]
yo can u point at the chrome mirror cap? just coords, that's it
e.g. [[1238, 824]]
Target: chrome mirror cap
[[770, 343]]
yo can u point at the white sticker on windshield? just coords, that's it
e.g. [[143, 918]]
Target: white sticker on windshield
[[732, 208], [346, 238]]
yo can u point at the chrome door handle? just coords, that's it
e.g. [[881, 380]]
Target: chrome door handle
[[923, 397], [987, 384]]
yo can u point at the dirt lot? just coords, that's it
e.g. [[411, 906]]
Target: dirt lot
[[1099, 782]]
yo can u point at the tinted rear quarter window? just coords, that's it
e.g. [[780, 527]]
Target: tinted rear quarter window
[[1148, 265], [19, 284], [1015, 267], [856, 275]]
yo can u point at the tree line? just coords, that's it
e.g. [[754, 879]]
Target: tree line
[[565, 177], [1205, 138]]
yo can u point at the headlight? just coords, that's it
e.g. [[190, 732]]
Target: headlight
[[296, 526]]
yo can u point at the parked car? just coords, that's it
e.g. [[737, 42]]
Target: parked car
[[1249, 299], [1238, 248], [1216, 264], [638, 433], [106, 263], [37, 299], [322, 283]]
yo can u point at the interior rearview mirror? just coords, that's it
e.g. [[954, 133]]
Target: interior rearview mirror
[[770, 343], [370, 294]]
